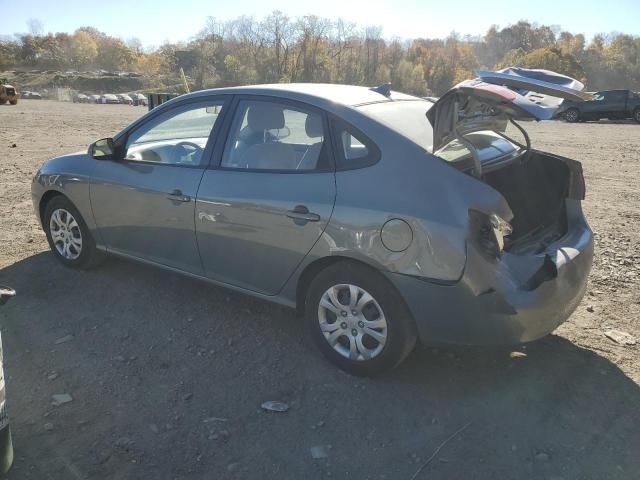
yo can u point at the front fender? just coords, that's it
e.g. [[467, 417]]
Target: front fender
[[70, 176]]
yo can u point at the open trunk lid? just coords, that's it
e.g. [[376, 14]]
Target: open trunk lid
[[469, 130], [489, 101]]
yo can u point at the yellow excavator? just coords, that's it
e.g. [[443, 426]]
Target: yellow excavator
[[8, 93]]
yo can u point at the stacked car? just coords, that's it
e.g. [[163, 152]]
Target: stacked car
[[80, 98], [139, 99], [124, 98], [110, 98], [31, 95]]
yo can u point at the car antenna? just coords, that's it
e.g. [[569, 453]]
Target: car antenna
[[384, 89]]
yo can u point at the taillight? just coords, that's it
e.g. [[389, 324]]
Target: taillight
[[490, 231]]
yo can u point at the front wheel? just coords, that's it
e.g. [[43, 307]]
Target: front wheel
[[636, 115], [572, 115], [358, 319], [68, 235]]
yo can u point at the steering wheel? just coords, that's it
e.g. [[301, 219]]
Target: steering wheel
[[193, 151]]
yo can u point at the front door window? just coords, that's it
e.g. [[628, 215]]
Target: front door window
[[177, 137]]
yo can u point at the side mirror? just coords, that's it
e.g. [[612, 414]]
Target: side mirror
[[103, 149], [6, 293]]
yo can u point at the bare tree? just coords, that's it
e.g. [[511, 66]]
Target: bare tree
[[35, 26]]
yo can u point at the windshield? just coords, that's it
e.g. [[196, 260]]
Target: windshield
[[405, 117]]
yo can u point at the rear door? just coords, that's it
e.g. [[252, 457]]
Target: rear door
[[617, 104], [599, 106], [269, 198]]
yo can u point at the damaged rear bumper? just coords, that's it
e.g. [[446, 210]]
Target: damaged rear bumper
[[514, 299]]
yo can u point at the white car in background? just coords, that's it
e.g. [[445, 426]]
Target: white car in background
[[109, 98]]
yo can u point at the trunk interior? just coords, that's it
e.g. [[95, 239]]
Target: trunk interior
[[536, 191]]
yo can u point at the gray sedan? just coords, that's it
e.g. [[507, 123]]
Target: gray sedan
[[383, 218]]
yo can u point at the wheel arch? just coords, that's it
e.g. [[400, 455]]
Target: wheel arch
[[316, 266], [45, 199]]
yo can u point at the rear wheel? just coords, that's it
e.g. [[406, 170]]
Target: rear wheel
[[13, 102], [358, 320], [636, 115], [68, 235], [572, 115]]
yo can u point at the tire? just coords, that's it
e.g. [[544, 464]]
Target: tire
[[636, 115], [572, 115], [13, 102], [83, 256], [344, 338]]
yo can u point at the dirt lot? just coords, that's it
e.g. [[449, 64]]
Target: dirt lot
[[167, 374]]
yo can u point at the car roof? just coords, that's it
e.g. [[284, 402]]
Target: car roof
[[321, 94]]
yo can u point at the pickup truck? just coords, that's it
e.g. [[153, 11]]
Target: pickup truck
[[610, 104]]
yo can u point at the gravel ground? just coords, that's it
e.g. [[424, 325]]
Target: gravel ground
[[167, 374]]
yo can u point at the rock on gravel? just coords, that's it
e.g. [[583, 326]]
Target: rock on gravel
[[60, 399], [319, 451], [65, 339], [275, 406], [618, 336], [542, 457]]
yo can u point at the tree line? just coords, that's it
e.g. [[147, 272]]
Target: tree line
[[278, 48]]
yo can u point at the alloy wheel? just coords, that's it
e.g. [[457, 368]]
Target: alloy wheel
[[65, 234], [352, 322], [571, 116]]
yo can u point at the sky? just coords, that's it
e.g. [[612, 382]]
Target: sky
[[157, 21]]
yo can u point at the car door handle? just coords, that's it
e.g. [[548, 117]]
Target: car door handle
[[177, 196], [300, 212]]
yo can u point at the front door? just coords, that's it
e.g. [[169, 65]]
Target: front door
[[602, 105], [144, 204], [260, 212]]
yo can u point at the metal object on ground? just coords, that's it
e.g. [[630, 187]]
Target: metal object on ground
[[6, 445]]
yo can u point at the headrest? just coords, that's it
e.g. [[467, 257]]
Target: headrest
[[313, 125], [264, 116]]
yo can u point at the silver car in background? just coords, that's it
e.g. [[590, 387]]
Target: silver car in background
[[382, 217]]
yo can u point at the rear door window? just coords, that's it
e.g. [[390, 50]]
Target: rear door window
[[269, 135], [353, 148]]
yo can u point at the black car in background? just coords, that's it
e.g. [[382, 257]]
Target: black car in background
[[609, 104]]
